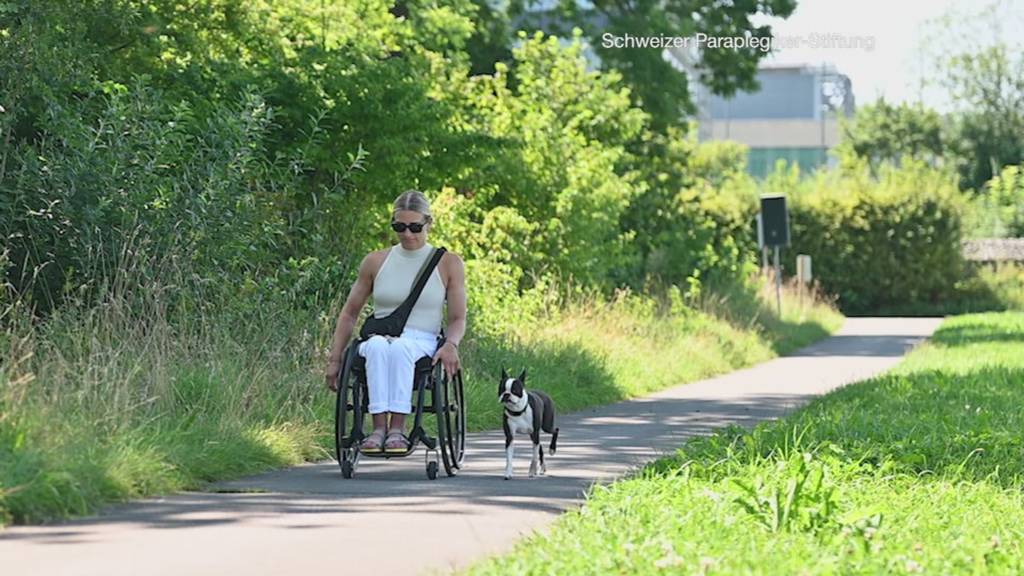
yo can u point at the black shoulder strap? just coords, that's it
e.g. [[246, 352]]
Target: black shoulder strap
[[405, 308]]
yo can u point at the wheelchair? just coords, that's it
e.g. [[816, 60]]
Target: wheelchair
[[447, 401]]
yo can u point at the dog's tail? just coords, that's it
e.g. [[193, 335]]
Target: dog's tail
[[554, 440]]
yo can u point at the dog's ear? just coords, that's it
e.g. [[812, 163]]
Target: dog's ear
[[522, 377], [504, 375]]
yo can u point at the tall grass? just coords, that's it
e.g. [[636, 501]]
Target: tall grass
[[123, 396], [789, 317]]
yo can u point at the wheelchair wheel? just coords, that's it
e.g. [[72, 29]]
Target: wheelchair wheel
[[449, 404], [457, 415], [345, 405]]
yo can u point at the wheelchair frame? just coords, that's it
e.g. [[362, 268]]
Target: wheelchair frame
[[447, 401]]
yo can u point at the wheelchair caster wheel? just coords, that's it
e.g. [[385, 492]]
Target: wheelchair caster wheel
[[347, 469], [432, 470]]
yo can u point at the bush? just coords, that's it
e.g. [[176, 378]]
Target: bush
[[880, 243], [693, 220]]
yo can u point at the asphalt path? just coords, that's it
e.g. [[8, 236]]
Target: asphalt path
[[389, 519]]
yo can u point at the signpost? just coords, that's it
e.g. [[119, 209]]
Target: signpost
[[773, 232], [803, 274]]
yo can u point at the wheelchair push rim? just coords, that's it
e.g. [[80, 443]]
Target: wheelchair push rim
[[449, 404], [345, 450]]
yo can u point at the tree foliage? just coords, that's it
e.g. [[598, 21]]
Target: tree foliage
[[997, 210], [988, 87], [242, 152], [979, 70], [657, 86], [883, 132]]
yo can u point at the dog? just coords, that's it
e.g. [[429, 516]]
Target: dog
[[526, 412]]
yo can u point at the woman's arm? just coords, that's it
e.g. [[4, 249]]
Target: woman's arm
[[455, 294], [346, 323]]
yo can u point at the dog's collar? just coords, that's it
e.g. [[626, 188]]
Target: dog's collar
[[515, 413]]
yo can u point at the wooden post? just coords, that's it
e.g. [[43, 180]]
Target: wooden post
[[778, 281], [803, 274]]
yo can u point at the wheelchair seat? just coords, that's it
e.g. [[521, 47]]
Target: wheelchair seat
[[423, 365]]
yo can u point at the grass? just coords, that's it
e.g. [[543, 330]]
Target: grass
[[634, 345], [915, 471], [111, 402]]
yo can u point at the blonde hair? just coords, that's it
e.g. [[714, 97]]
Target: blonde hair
[[413, 200]]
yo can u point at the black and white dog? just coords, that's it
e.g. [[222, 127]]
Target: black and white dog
[[526, 412]]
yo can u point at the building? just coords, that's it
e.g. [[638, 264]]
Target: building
[[794, 116]]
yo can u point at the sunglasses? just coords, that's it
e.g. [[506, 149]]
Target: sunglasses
[[415, 227]]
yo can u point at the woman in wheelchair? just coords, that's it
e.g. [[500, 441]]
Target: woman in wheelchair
[[389, 275]]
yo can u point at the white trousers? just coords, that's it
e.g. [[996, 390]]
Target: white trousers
[[391, 365]]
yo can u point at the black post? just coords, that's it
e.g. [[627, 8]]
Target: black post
[[774, 233]]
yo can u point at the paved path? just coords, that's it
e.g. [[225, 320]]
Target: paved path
[[308, 520]]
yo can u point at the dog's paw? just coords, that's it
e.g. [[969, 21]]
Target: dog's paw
[[508, 476]]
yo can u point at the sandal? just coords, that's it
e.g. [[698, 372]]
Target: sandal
[[373, 443], [396, 442]]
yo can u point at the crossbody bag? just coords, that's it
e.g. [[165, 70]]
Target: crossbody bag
[[393, 324]]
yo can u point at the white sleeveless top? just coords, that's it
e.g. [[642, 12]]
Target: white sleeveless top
[[394, 281]]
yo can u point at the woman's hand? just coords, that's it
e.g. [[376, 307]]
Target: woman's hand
[[332, 375], [448, 354]]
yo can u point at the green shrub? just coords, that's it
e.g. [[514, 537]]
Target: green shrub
[[880, 243], [692, 221]]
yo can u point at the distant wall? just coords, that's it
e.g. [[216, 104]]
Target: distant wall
[[994, 250]]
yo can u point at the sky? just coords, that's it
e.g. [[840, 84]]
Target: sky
[[887, 46]]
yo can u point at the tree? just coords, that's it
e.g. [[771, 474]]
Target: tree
[[492, 35], [988, 86], [980, 70], [882, 132], [216, 120], [658, 87]]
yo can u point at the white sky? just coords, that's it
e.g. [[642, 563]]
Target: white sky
[[903, 33]]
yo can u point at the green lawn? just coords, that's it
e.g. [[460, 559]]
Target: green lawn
[[915, 471]]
